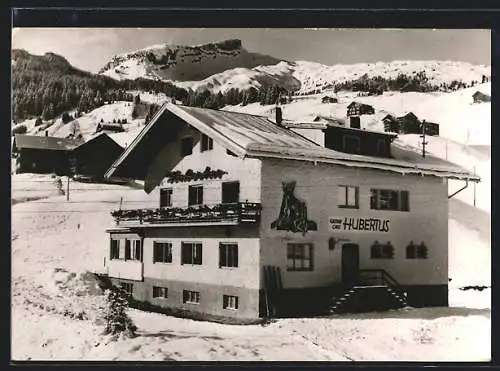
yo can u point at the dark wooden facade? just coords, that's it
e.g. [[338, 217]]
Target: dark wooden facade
[[359, 142], [481, 97], [357, 109], [95, 156]]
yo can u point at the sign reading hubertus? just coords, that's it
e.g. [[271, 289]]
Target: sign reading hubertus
[[355, 224]]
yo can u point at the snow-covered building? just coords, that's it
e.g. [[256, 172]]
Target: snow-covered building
[[254, 219]]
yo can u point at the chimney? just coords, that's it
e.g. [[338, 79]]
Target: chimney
[[46, 133], [279, 115]]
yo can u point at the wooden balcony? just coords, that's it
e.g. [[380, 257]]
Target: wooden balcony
[[220, 214]]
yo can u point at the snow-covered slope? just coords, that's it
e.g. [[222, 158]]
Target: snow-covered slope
[[56, 243], [223, 65]]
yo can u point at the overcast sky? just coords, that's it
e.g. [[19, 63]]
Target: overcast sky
[[90, 48]]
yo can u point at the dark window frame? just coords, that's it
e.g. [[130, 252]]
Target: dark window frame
[[346, 197], [399, 200], [224, 196], [166, 195], [196, 188], [416, 251], [190, 297], [166, 252], [160, 292], [382, 251], [114, 249], [228, 255], [127, 287], [191, 253], [207, 143], [230, 302], [296, 252]]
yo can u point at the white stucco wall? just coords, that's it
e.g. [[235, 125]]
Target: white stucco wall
[[317, 185], [245, 275]]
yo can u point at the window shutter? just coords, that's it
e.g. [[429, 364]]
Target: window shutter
[[235, 255], [221, 253]]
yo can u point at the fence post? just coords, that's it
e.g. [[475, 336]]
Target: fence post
[[67, 189]]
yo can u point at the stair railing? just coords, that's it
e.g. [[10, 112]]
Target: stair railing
[[383, 277]]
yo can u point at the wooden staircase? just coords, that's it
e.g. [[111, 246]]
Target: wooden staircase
[[374, 290]]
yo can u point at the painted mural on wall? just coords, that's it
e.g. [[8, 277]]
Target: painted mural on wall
[[350, 224], [293, 213]]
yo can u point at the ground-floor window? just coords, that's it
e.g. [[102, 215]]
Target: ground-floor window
[[299, 257], [416, 251], [160, 292], [192, 297], [127, 287], [229, 302], [115, 249], [382, 251]]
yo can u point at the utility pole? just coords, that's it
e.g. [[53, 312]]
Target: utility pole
[[474, 186], [424, 143], [67, 189]]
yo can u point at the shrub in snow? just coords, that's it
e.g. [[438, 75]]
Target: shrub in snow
[[116, 319]]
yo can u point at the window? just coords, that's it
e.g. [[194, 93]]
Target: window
[[186, 146], [160, 292], [228, 255], [192, 297], [350, 144], [127, 287], [382, 251], [299, 257], [191, 253], [348, 196], [166, 197], [136, 250], [162, 252], [230, 192], [386, 199], [115, 249], [229, 302], [195, 195], [128, 252], [416, 251], [207, 143]]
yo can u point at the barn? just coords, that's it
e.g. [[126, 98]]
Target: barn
[[43, 154], [479, 97], [109, 127], [95, 156], [328, 99]]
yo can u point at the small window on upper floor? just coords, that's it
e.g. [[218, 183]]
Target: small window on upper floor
[[348, 196], [207, 143], [186, 146], [166, 197], [416, 251], [389, 199]]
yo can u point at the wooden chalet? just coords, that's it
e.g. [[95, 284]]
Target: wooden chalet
[[358, 109], [109, 127], [479, 97], [43, 154], [328, 99], [95, 156]]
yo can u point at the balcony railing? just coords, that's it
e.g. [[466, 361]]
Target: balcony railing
[[239, 212]]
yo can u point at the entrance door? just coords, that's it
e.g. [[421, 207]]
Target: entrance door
[[350, 262]]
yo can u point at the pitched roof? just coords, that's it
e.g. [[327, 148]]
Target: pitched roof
[[44, 142], [256, 137]]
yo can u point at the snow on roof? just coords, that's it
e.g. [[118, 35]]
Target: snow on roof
[[255, 136], [44, 142]]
